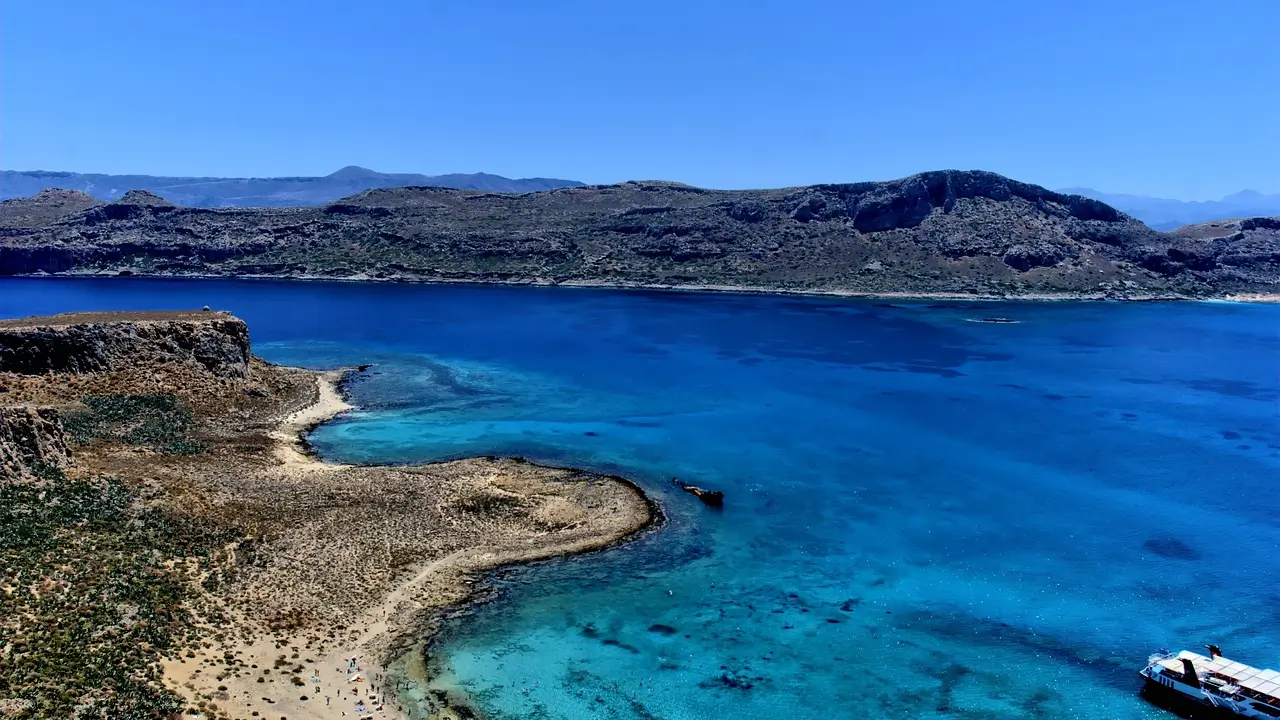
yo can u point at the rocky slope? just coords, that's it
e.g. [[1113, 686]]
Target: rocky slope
[[99, 342], [31, 439], [952, 232]]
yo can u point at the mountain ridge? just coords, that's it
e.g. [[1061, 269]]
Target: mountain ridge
[[258, 192], [1169, 214], [967, 233]]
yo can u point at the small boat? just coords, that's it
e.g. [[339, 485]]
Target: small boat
[[1213, 682]]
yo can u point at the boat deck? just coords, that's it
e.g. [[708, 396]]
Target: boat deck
[[1264, 683]]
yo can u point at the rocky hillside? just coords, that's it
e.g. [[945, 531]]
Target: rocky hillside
[[31, 441], [971, 233], [98, 342]]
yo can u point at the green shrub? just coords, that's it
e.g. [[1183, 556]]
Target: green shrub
[[162, 422], [93, 601]]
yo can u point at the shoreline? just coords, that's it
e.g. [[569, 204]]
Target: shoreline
[[409, 651], [1244, 298], [400, 625], [292, 447]]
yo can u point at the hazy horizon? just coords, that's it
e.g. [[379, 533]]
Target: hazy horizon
[[1067, 189]]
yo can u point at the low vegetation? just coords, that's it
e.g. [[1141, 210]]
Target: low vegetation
[[162, 422], [95, 585]]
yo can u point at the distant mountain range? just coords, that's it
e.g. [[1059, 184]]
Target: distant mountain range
[[1165, 214], [258, 192]]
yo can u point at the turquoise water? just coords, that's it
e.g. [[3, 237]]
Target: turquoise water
[[926, 517]]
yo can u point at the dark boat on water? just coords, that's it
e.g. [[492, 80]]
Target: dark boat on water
[[1196, 686]]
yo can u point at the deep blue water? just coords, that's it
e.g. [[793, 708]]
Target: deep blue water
[[926, 517]]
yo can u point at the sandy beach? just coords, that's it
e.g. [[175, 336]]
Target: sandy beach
[[308, 642]]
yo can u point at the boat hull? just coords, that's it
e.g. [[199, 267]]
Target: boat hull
[[1181, 704]]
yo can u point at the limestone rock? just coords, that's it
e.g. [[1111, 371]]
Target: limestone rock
[[100, 342], [30, 438]]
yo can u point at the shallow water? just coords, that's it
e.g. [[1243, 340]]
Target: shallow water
[[925, 517]]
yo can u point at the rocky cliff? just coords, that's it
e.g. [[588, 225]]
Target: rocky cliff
[[31, 439], [99, 342], [940, 232]]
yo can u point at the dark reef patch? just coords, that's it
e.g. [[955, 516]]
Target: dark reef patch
[[933, 370], [1171, 547], [1234, 388], [619, 644]]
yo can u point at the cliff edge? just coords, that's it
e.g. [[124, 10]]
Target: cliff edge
[[100, 342]]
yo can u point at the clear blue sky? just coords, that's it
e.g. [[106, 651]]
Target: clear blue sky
[[1175, 98]]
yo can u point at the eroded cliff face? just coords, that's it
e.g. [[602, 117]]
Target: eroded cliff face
[[31, 439], [101, 342]]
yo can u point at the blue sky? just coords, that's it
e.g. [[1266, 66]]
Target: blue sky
[[1170, 98]]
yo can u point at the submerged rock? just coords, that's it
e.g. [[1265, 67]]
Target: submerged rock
[[1171, 547], [711, 498]]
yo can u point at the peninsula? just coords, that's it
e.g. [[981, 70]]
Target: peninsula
[[169, 547], [945, 233]]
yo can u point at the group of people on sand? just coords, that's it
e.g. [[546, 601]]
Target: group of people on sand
[[355, 673]]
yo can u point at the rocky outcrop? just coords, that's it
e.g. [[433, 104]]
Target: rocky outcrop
[[1227, 246], [31, 439], [939, 232], [45, 207], [99, 342], [710, 498]]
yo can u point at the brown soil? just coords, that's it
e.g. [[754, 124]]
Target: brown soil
[[82, 318], [334, 561]]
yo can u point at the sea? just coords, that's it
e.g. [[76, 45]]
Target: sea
[[926, 515]]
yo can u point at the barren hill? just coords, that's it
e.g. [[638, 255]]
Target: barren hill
[[953, 232]]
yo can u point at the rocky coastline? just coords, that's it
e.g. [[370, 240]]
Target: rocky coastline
[[296, 571]]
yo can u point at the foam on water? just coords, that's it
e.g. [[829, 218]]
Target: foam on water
[[925, 517]]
